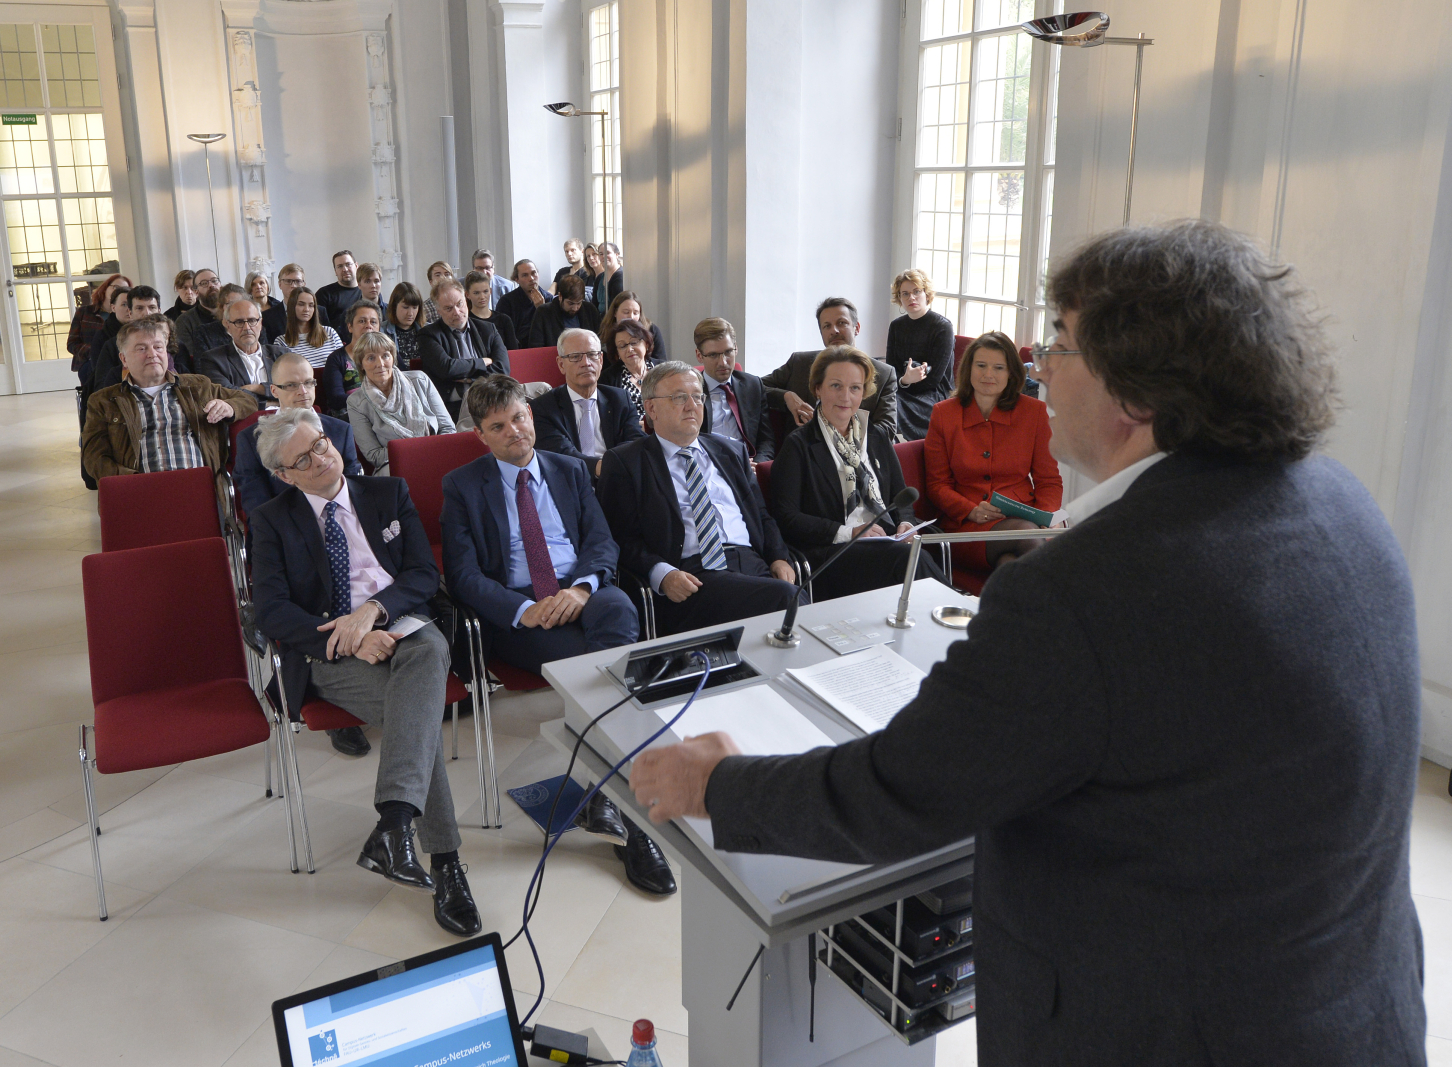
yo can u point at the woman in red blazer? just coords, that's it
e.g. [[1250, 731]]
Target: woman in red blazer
[[987, 438]]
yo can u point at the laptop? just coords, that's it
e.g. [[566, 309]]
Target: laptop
[[454, 1006]]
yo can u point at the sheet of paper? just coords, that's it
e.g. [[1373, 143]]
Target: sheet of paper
[[902, 536], [759, 720], [867, 687], [407, 625]]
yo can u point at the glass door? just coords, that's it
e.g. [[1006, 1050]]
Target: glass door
[[60, 135]]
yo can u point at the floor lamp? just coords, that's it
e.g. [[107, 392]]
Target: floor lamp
[[1085, 29], [206, 140], [570, 111]]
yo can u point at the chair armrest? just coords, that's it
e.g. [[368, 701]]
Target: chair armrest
[[629, 580]]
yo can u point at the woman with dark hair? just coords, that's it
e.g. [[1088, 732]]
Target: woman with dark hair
[[633, 354], [833, 476], [402, 322], [610, 282], [341, 375], [626, 305], [89, 318], [989, 438], [920, 349], [304, 334], [185, 285], [476, 293]]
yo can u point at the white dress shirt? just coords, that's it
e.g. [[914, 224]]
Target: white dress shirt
[[587, 408], [256, 368], [562, 551], [366, 576], [733, 526], [1109, 490], [723, 419]]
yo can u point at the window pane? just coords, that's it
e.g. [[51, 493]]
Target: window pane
[[1000, 99], [943, 18], [995, 13], [943, 109], [25, 160], [70, 66], [601, 73], [978, 318], [19, 69], [80, 150], [994, 226], [45, 320], [940, 230], [34, 231], [90, 231], [1044, 231]]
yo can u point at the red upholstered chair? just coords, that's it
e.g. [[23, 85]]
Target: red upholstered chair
[[960, 345], [139, 510], [169, 677], [915, 475], [535, 365], [235, 431]]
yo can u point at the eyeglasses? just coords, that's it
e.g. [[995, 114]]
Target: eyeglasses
[[905, 294], [294, 387], [1041, 353], [574, 357], [682, 400], [245, 322], [318, 448], [718, 355]]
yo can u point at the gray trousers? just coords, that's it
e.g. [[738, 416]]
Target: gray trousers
[[405, 696]]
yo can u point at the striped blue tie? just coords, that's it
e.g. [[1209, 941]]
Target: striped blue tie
[[709, 536]]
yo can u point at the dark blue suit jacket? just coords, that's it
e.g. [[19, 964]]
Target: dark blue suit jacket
[[556, 429], [292, 584], [476, 532], [255, 486]]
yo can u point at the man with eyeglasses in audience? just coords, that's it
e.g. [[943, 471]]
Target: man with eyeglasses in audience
[[483, 262], [243, 362], [583, 418], [687, 513], [274, 319], [735, 400]]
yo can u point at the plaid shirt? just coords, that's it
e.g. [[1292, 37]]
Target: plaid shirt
[[167, 441]]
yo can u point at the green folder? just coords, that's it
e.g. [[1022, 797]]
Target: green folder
[[1021, 511]]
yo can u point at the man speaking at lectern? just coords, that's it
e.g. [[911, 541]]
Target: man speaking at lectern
[[1185, 732]]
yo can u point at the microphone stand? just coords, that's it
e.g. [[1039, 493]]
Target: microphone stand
[[785, 637]]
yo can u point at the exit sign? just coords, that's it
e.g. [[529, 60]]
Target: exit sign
[[17, 120]]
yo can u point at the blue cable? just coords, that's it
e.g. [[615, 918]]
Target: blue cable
[[570, 819]]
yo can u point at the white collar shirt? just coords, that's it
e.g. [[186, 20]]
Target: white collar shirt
[[366, 576], [1108, 491], [587, 422]]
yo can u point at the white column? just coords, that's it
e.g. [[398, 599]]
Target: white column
[[526, 165], [250, 151]]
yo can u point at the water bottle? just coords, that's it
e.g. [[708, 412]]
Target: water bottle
[[642, 1045]]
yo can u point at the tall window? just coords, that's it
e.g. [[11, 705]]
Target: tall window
[[982, 162], [602, 27]]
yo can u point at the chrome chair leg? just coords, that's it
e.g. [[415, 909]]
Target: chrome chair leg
[[484, 733], [295, 781], [86, 762], [454, 707]]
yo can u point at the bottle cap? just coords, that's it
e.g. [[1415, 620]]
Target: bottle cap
[[643, 1033]]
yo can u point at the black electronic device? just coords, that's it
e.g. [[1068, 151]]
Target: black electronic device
[[950, 897], [916, 986], [683, 669], [561, 1046], [924, 934]]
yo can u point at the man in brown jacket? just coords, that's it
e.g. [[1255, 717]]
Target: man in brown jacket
[[156, 420]]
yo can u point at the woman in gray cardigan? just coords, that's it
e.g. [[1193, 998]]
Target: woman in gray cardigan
[[391, 403]]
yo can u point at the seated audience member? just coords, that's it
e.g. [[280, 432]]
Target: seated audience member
[[592, 267], [988, 438], [331, 621], [483, 262], [117, 314], [341, 374], [610, 282], [456, 349], [306, 334], [337, 297], [185, 286], [834, 475], [688, 516], [625, 306], [141, 302], [89, 318], [274, 318], [568, 311], [521, 303], [789, 389], [476, 292], [583, 418], [260, 290], [391, 403], [735, 400], [574, 264], [920, 350], [370, 285], [633, 347], [438, 271], [243, 362], [403, 320], [545, 592], [193, 326], [157, 420]]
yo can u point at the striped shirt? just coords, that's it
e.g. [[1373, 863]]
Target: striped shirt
[[317, 357], [431, 312], [167, 442]]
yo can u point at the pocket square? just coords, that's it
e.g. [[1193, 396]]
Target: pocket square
[[391, 531]]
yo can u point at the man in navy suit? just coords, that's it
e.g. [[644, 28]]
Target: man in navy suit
[[339, 565], [583, 418], [527, 547], [688, 515], [735, 400]]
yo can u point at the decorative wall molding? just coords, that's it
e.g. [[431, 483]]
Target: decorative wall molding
[[251, 155], [385, 177]]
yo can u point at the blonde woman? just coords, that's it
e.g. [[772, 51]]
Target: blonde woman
[[391, 403], [920, 349]]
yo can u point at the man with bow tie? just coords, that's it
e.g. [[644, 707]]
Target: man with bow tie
[[339, 564]]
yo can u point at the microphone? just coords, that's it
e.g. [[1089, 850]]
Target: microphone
[[784, 637]]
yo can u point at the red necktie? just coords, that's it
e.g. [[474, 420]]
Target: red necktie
[[736, 410], [536, 552]]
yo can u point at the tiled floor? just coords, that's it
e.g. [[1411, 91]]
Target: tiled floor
[[208, 926]]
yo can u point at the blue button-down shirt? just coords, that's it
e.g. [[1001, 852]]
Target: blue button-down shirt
[[562, 552]]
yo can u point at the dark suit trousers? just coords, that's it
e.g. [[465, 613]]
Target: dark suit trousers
[[870, 565], [608, 620], [745, 588]]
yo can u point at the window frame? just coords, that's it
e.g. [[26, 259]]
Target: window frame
[[602, 229]]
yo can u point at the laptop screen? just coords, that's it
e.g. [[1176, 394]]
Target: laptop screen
[[451, 1007]]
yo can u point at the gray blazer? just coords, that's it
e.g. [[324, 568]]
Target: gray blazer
[[1186, 736], [373, 432], [795, 374]]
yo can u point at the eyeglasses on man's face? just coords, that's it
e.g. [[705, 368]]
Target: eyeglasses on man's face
[[1044, 354], [318, 448], [252, 323], [295, 387], [683, 400], [592, 355]]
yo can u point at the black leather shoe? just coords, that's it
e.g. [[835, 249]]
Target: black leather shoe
[[350, 741], [601, 818], [645, 865], [453, 903], [391, 854]]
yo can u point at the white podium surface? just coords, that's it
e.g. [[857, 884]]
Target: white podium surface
[[732, 902]]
